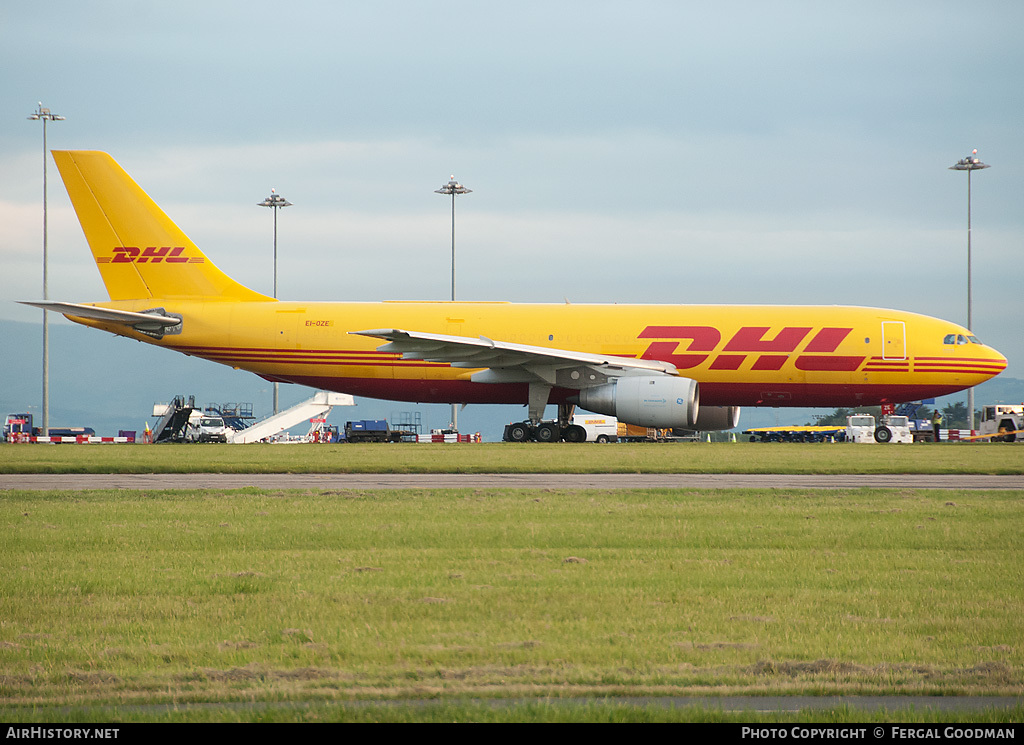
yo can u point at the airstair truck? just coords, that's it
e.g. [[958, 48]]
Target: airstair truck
[[317, 407]]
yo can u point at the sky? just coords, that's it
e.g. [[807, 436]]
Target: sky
[[664, 152]]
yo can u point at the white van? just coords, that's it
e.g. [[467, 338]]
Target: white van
[[206, 427], [599, 428]]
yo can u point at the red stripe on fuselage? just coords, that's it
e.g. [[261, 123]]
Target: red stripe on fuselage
[[269, 350], [242, 355], [711, 394]]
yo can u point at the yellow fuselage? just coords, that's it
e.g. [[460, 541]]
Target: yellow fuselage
[[748, 355]]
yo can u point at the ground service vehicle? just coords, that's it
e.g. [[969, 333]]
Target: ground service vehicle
[[665, 366], [17, 426], [373, 430], [597, 427], [206, 427], [323, 433], [860, 428], [806, 433], [1002, 422], [892, 428], [580, 427], [634, 433]]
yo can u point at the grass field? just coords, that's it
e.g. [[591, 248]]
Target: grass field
[[130, 599], [742, 457]]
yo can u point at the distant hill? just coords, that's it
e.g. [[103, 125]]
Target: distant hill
[[998, 390], [110, 383]]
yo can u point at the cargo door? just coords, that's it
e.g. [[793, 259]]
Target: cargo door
[[894, 340]]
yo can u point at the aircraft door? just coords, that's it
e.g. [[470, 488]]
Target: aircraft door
[[453, 326], [894, 340]]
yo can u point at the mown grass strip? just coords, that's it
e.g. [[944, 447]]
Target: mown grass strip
[[741, 457], [127, 598], [547, 711]]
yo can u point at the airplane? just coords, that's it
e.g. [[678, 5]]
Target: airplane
[[665, 366]]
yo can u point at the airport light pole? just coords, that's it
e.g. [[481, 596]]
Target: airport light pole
[[45, 115], [275, 201], [453, 187], [970, 163]]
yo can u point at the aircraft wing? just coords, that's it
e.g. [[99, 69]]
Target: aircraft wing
[[150, 321], [506, 362]]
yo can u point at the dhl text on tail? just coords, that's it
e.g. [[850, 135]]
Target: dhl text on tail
[[688, 366]]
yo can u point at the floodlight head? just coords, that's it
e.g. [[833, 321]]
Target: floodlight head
[[45, 114], [453, 187], [274, 200], [970, 163]]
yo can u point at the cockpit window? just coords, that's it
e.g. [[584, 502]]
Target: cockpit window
[[961, 339]]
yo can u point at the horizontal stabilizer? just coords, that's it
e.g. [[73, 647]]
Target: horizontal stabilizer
[[151, 322]]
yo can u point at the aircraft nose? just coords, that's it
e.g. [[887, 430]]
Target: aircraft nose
[[997, 362]]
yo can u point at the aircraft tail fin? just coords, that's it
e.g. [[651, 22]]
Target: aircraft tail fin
[[139, 251]]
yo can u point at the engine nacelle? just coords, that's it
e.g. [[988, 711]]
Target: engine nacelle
[[717, 417], [655, 401]]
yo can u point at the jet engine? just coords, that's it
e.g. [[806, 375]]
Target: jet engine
[[647, 401], [717, 417]]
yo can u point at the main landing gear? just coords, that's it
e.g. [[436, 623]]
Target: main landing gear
[[548, 431]]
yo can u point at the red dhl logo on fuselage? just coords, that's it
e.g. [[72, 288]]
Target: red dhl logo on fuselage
[[814, 350], [149, 255], [771, 352]]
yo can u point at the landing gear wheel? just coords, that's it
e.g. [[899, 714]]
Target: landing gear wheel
[[518, 433], [547, 433], [883, 434], [574, 433]]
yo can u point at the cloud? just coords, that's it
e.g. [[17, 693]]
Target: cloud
[[646, 152]]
